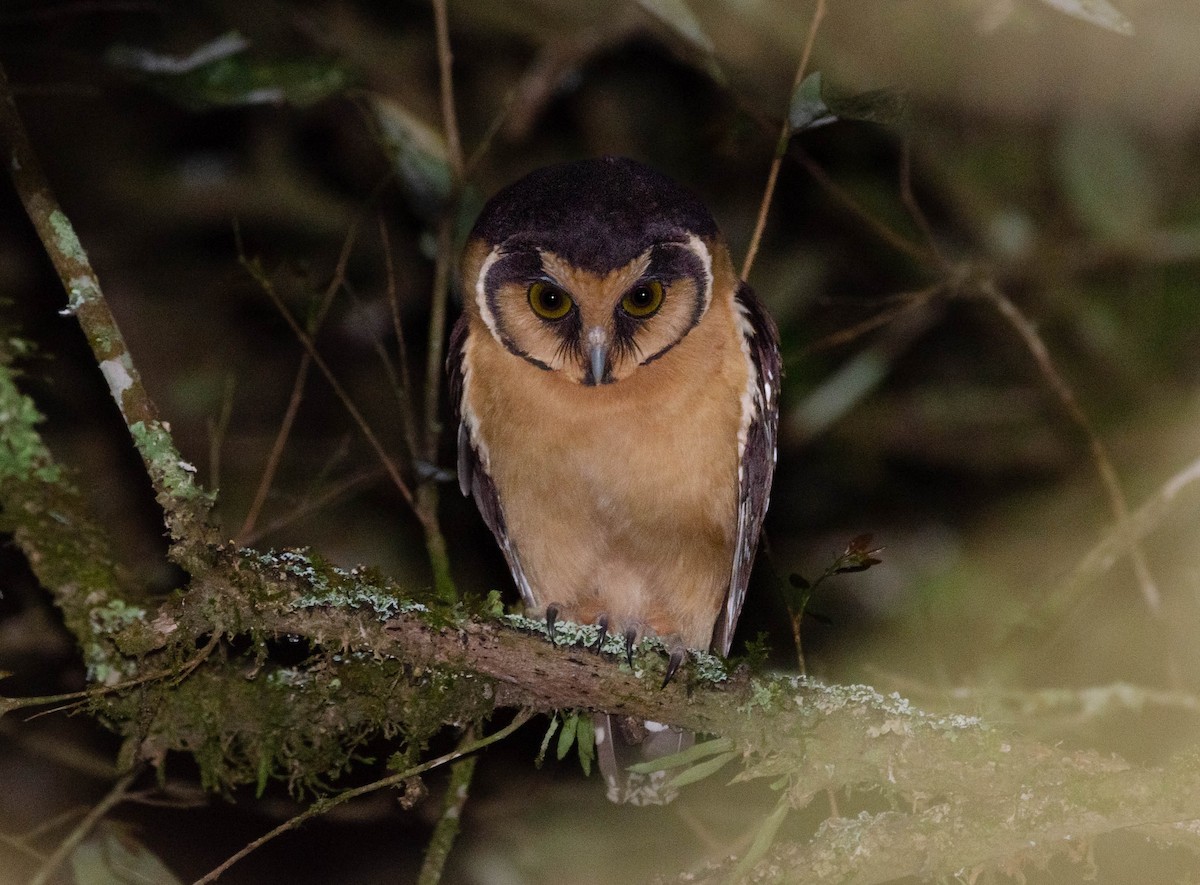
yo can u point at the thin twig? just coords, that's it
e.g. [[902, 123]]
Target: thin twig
[[446, 831], [437, 334], [309, 506], [785, 136], [217, 430], [427, 491], [293, 406], [9, 704], [1108, 474], [446, 80], [267, 479], [897, 306], [19, 845], [403, 388], [77, 835], [913, 206], [879, 228], [389, 465], [55, 822], [489, 135], [321, 806]]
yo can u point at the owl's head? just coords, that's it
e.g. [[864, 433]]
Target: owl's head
[[592, 268]]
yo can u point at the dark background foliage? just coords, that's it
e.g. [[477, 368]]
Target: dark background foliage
[[1050, 155]]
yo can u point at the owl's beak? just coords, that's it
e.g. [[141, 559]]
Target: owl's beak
[[597, 343]]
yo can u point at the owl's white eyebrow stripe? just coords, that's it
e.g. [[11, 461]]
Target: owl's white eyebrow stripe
[[697, 247], [482, 301]]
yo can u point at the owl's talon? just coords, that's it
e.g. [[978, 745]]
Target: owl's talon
[[602, 624], [551, 619], [630, 639], [678, 653]]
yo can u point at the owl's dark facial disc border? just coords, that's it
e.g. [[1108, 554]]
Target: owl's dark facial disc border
[[524, 266]]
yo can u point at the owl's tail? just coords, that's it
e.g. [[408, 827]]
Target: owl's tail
[[622, 741]]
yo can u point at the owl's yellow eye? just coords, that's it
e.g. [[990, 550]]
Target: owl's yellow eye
[[549, 302], [643, 301]]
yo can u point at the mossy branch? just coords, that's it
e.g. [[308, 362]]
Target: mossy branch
[[381, 662], [185, 506]]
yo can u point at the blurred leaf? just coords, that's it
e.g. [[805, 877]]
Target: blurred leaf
[[494, 604], [567, 736], [799, 581], [150, 62], [418, 154], [541, 756], [808, 109], [222, 74], [1106, 178], [110, 856], [677, 15], [704, 769], [813, 105], [585, 742], [694, 753], [883, 106], [762, 840], [858, 556], [1097, 12]]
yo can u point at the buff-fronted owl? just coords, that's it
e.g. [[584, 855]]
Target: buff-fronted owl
[[616, 387]]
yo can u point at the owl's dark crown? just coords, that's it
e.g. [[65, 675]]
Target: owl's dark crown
[[598, 214]]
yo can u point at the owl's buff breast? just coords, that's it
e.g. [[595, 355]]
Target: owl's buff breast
[[619, 498]]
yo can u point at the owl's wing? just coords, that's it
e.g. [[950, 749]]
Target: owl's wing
[[473, 477], [761, 341]]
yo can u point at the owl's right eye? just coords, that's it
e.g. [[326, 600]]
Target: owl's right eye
[[549, 302]]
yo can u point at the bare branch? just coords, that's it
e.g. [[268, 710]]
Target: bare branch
[[114, 797], [319, 808], [389, 464], [781, 146], [289, 417], [1108, 473]]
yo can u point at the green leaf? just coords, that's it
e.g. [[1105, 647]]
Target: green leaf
[[110, 856], [677, 15], [494, 604], [1097, 12], [813, 105], [704, 769], [1106, 177], [883, 106], [567, 736], [808, 109], [222, 73], [585, 742], [418, 154], [692, 754], [541, 756], [762, 840]]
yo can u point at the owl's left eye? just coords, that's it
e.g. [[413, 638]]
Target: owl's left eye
[[644, 300], [549, 302]]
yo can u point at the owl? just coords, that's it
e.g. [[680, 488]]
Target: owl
[[616, 389]]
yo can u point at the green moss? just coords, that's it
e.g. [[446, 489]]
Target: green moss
[[65, 239], [23, 456], [171, 472], [249, 723], [328, 585]]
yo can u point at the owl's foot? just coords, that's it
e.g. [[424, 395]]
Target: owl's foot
[[675, 657], [631, 635], [551, 619], [602, 625]]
